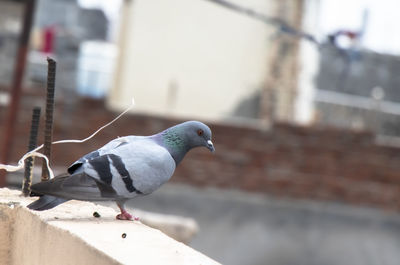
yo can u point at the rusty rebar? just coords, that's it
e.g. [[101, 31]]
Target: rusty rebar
[[48, 129], [29, 162], [16, 90]]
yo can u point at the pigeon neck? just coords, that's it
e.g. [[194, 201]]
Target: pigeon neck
[[175, 143]]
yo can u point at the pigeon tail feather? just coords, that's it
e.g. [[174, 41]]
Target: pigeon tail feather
[[46, 202]]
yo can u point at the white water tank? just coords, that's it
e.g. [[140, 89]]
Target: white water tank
[[96, 63]]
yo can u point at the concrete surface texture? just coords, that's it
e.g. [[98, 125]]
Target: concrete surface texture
[[69, 234], [243, 228]]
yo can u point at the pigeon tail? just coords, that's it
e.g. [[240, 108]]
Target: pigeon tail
[[46, 202]]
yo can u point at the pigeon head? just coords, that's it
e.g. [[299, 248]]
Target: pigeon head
[[180, 138]]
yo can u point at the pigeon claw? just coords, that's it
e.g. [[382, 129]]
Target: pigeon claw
[[126, 216], [123, 217]]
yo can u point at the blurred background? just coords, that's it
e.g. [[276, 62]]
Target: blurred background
[[302, 96]]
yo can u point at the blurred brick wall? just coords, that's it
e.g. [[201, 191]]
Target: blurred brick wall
[[286, 160]]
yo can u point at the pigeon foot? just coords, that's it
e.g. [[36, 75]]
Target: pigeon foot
[[126, 216]]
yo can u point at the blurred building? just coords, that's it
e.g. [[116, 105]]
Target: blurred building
[[10, 24], [202, 60], [193, 59], [198, 59], [359, 89], [59, 30]]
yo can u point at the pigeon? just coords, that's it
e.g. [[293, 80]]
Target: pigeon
[[124, 168]]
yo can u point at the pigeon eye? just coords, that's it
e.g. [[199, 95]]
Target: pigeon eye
[[200, 132]]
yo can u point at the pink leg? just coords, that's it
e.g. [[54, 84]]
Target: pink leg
[[124, 215]]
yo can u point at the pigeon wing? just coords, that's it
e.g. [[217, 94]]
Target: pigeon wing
[[78, 186], [103, 150]]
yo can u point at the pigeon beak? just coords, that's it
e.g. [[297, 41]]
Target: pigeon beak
[[210, 146]]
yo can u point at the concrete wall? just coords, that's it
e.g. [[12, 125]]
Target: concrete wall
[[281, 87], [69, 234], [366, 71], [352, 104], [187, 57]]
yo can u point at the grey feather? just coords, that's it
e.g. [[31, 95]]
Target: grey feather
[[46, 202], [78, 186]]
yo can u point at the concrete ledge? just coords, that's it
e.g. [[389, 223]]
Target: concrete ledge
[[179, 228], [69, 234]]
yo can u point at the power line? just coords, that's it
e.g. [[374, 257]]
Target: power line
[[281, 25]]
